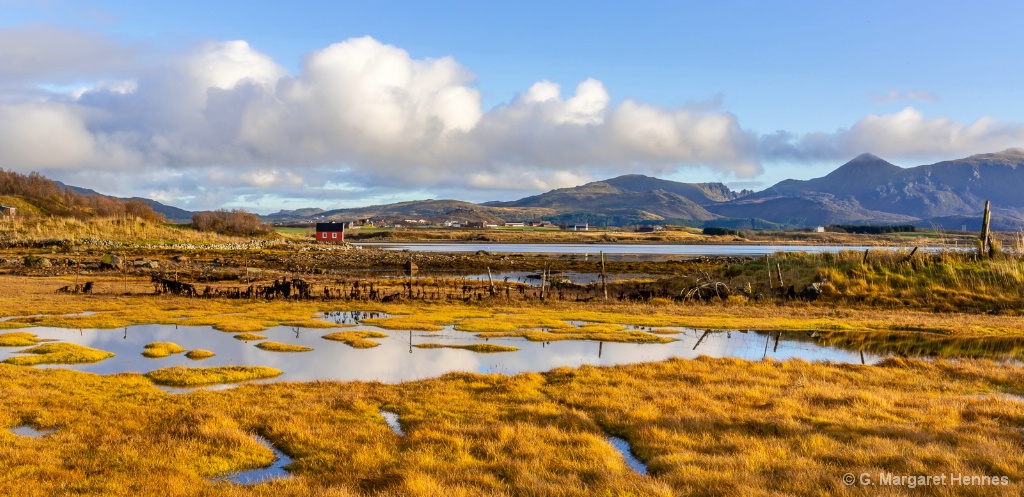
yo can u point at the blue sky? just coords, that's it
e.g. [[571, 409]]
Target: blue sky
[[268, 105]]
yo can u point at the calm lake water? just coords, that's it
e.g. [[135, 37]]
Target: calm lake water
[[592, 249], [396, 361]]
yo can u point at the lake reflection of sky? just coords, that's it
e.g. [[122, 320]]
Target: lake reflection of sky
[[395, 361]]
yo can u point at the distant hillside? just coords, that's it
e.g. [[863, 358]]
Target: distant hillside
[[289, 215], [870, 190], [631, 199], [436, 211], [170, 213]]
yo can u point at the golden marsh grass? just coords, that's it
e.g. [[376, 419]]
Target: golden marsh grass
[[702, 427], [58, 353]]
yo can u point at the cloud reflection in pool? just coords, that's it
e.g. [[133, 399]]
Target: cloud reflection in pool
[[395, 360]]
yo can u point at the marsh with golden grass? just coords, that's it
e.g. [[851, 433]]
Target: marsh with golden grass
[[757, 420]]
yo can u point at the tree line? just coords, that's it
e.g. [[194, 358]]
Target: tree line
[[234, 222]]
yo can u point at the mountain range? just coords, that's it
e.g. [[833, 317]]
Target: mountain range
[[865, 190]]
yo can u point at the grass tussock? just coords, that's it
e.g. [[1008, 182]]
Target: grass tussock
[[282, 347], [199, 354], [357, 339], [180, 376], [18, 339], [250, 337], [482, 348], [158, 350], [58, 353]]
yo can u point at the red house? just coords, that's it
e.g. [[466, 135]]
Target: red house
[[330, 232]]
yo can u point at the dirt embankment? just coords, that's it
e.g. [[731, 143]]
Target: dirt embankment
[[204, 264]]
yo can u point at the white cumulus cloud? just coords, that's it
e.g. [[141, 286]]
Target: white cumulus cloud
[[224, 121], [907, 134]]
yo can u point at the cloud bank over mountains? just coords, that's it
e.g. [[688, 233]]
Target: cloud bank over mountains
[[224, 120]]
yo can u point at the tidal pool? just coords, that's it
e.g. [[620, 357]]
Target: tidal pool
[[623, 448], [259, 475], [391, 419], [28, 431], [398, 359]]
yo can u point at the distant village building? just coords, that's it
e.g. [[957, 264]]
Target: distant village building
[[330, 232], [578, 227], [475, 224], [8, 210], [514, 225], [819, 229], [649, 229], [541, 224]]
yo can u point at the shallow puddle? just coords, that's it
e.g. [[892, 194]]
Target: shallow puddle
[[275, 471], [391, 419], [28, 431], [623, 448]]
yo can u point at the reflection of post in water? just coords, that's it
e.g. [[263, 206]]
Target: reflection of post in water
[[701, 339], [767, 339], [125, 332], [604, 278], [777, 335], [410, 341], [862, 357], [600, 348]]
